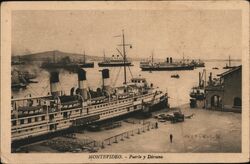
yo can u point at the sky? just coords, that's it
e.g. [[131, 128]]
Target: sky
[[205, 34]]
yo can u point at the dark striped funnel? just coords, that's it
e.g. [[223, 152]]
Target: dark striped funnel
[[105, 73], [81, 75], [54, 77]]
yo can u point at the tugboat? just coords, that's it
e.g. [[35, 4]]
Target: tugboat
[[85, 64], [167, 65], [197, 93], [35, 118]]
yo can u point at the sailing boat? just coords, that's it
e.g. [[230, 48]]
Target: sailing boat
[[229, 64], [85, 64]]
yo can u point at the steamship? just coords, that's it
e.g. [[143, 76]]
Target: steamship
[[167, 65], [115, 61], [85, 64], [36, 117]]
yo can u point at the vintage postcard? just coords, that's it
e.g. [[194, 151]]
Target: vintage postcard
[[125, 82]]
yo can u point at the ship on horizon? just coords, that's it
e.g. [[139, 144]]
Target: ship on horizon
[[116, 61], [229, 66], [64, 63], [167, 65], [85, 64]]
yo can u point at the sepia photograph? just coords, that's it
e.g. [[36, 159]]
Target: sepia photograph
[[145, 82]]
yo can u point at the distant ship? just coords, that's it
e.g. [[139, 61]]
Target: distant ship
[[85, 64], [198, 63], [20, 79], [229, 64], [115, 61], [167, 65], [64, 63]]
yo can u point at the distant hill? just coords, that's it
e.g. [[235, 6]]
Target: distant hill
[[50, 55]]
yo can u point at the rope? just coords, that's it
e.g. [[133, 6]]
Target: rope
[[130, 72], [117, 76]]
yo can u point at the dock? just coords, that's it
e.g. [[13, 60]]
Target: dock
[[206, 131]]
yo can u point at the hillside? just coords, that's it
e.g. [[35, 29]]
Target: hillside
[[42, 56]]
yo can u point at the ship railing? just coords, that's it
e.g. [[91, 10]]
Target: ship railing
[[147, 126], [21, 112], [14, 116]]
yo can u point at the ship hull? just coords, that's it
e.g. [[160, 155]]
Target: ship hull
[[167, 68], [200, 65], [87, 65], [114, 64], [162, 104], [229, 67]]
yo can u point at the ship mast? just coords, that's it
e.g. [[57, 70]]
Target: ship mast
[[124, 54], [54, 57], [229, 61], [124, 57], [104, 55], [84, 58], [152, 57]]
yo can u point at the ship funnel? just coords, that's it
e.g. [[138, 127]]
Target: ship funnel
[[210, 78], [167, 60], [171, 60], [82, 83], [106, 80], [54, 84]]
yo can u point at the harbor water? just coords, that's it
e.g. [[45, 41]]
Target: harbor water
[[178, 88]]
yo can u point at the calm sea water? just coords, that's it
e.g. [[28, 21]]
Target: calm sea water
[[178, 89]]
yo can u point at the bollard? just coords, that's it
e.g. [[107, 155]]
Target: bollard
[[109, 142], [115, 140], [122, 138], [148, 128], [132, 133], [102, 145], [143, 130], [127, 135], [138, 131]]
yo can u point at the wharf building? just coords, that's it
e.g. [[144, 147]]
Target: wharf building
[[225, 93]]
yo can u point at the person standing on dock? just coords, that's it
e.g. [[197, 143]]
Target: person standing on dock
[[156, 125], [171, 138]]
